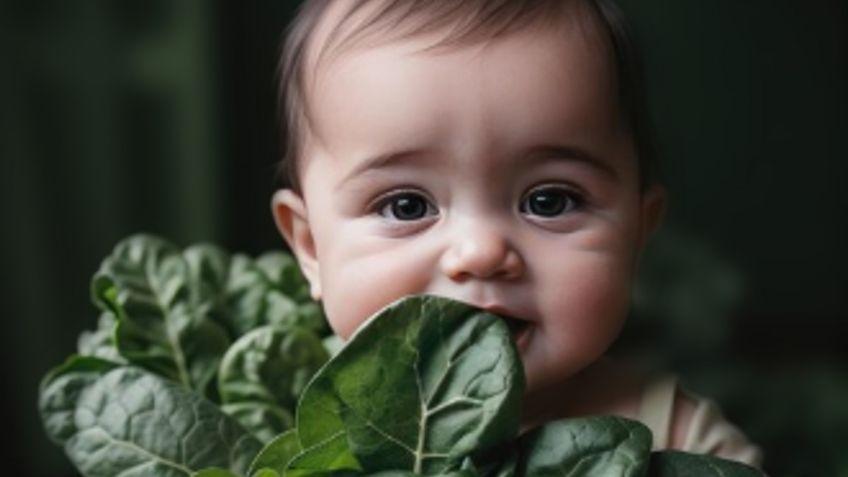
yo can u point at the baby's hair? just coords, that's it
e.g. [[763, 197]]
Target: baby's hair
[[468, 22]]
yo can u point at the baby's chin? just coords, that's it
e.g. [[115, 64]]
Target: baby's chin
[[547, 373]]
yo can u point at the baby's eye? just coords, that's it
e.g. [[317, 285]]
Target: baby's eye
[[550, 201], [406, 206]]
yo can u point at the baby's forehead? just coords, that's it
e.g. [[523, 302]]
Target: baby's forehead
[[346, 27], [344, 31]]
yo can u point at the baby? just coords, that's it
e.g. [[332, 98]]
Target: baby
[[493, 152]]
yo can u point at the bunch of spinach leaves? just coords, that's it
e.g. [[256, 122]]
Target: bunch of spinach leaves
[[189, 343], [199, 359]]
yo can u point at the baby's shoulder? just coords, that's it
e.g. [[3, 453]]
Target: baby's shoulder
[[683, 420], [678, 418]]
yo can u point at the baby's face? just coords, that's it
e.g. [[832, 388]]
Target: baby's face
[[498, 175]]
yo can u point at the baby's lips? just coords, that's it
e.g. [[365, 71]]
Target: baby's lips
[[499, 310]]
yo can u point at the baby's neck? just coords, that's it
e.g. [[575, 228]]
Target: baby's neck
[[606, 387]]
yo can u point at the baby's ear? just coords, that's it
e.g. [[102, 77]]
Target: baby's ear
[[289, 211], [654, 202]]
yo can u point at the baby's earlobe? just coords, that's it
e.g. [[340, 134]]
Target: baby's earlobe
[[315, 291], [289, 211]]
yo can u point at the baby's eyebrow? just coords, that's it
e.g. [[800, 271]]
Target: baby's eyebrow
[[533, 155], [382, 161], [555, 152]]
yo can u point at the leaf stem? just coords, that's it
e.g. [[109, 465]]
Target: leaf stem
[[419, 451]]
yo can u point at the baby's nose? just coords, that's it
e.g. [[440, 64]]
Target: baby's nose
[[481, 253]]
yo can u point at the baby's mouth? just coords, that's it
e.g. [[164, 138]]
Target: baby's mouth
[[519, 329]]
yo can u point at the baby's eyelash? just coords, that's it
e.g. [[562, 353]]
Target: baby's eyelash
[[403, 205], [551, 200], [377, 203]]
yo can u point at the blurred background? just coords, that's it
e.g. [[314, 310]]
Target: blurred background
[[159, 116]]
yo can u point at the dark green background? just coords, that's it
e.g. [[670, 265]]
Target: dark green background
[[118, 117]]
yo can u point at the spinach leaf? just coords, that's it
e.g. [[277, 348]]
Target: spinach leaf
[[420, 386], [61, 389], [214, 472], [129, 422], [209, 271], [270, 290], [163, 322], [101, 342], [175, 313], [277, 454], [683, 464], [270, 364], [282, 270], [209, 268], [430, 386], [604, 445], [246, 293], [263, 374], [263, 420]]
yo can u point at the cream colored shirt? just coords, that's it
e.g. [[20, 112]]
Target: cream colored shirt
[[709, 432]]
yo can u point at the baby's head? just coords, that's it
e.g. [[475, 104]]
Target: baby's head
[[489, 151]]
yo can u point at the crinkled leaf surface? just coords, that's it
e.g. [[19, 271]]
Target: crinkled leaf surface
[[132, 423], [101, 342], [61, 389], [420, 386], [264, 421], [604, 445], [282, 270], [683, 464], [163, 321], [209, 268], [263, 374], [269, 290], [271, 364]]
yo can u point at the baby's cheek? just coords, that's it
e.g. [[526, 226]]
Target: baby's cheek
[[587, 312], [355, 293]]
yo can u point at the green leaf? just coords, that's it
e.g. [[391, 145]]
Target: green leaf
[[265, 473], [263, 420], [214, 472], [683, 464], [328, 456], [209, 267], [283, 311], [163, 322], [101, 342], [277, 454], [133, 423], [333, 344], [61, 389], [498, 461], [265, 372], [604, 445], [270, 290], [282, 270], [420, 386], [271, 364], [244, 295]]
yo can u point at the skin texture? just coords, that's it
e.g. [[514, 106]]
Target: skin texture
[[471, 135]]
